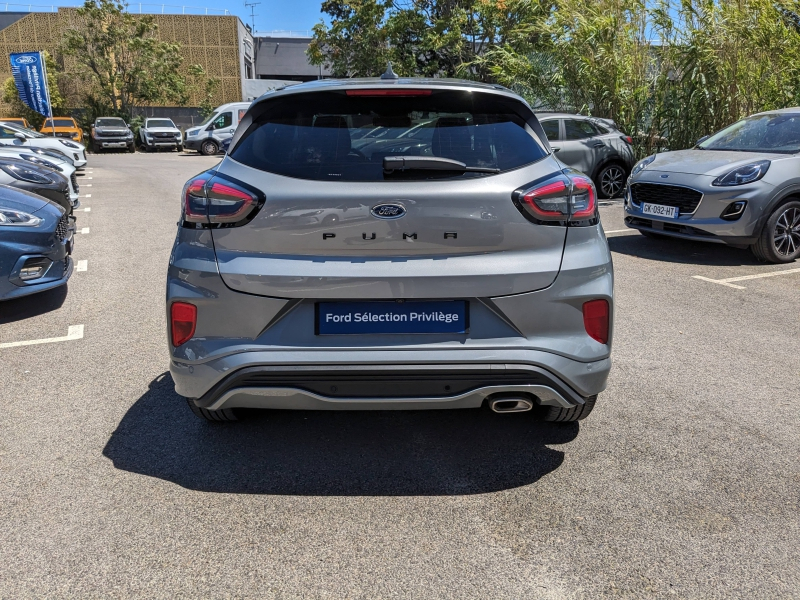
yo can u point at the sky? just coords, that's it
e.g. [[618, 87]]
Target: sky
[[271, 15], [274, 14]]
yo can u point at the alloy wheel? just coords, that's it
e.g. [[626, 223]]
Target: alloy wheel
[[611, 181], [210, 148], [787, 232]]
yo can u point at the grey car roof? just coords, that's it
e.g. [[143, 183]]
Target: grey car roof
[[779, 111], [402, 82]]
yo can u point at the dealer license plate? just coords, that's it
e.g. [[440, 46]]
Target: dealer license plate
[[657, 210], [354, 318]]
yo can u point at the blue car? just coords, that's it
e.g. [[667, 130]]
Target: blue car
[[36, 240]]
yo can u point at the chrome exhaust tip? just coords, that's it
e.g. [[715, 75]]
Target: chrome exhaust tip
[[510, 405]]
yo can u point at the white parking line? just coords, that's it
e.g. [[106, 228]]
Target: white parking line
[[83, 265], [87, 209], [75, 332], [84, 230], [622, 231], [87, 185], [87, 195], [727, 281]]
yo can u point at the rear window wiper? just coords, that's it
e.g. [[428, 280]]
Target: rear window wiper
[[430, 163]]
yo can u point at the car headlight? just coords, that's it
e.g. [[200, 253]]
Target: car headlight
[[68, 144], [18, 218], [744, 174], [40, 161], [639, 167], [24, 174], [191, 133]]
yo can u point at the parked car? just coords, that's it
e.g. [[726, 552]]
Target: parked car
[[37, 179], [471, 272], [111, 133], [51, 161], [22, 121], [740, 186], [64, 127], [207, 138], [36, 241], [156, 134], [594, 146], [28, 138]]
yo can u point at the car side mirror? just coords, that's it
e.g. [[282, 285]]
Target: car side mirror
[[20, 136], [701, 140]]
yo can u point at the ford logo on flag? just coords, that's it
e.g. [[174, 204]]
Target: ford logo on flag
[[25, 60], [388, 211]]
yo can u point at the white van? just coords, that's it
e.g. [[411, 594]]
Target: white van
[[207, 137]]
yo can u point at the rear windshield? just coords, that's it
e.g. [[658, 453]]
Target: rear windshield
[[160, 123], [59, 123], [110, 122], [336, 137]]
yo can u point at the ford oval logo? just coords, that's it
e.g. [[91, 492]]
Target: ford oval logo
[[25, 60], [388, 211]]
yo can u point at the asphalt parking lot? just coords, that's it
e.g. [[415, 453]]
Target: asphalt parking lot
[[684, 481]]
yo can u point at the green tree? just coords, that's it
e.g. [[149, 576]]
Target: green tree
[[356, 43], [204, 88], [121, 60], [18, 108], [421, 37]]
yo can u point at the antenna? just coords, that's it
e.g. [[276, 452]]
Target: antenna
[[253, 15]]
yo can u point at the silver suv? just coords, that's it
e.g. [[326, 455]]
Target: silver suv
[[594, 146], [463, 269]]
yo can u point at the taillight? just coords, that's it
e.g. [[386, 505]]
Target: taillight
[[583, 204], [564, 198], [219, 200], [229, 203], [183, 321], [627, 138], [194, 199], [549, 201], [595, 319], [389, 92]]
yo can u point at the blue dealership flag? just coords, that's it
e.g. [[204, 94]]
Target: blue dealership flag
[[31, 78]]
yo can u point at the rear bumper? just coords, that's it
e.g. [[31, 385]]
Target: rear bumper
[[370, 387], [402, 380]]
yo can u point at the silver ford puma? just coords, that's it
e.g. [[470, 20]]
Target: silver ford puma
[[390, 244]]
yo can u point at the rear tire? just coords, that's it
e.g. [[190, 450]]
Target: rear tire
[[95, 148], [556, 414], [180, 148], [779, 241], [209, 148], [611, 181], [132, 148], [217, 416]]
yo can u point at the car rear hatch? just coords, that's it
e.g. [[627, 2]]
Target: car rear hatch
[[330, 221]]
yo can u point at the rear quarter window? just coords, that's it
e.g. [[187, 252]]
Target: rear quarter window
[[336, 137]]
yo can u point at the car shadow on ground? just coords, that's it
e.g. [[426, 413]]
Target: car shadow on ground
[[676, 250], [32, 305], [331, 453]]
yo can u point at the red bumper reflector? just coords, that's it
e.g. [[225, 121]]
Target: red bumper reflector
[[595, 319], [183, 320], [389, 92]]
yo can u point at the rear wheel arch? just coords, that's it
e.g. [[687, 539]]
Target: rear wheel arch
[[611, 161]]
